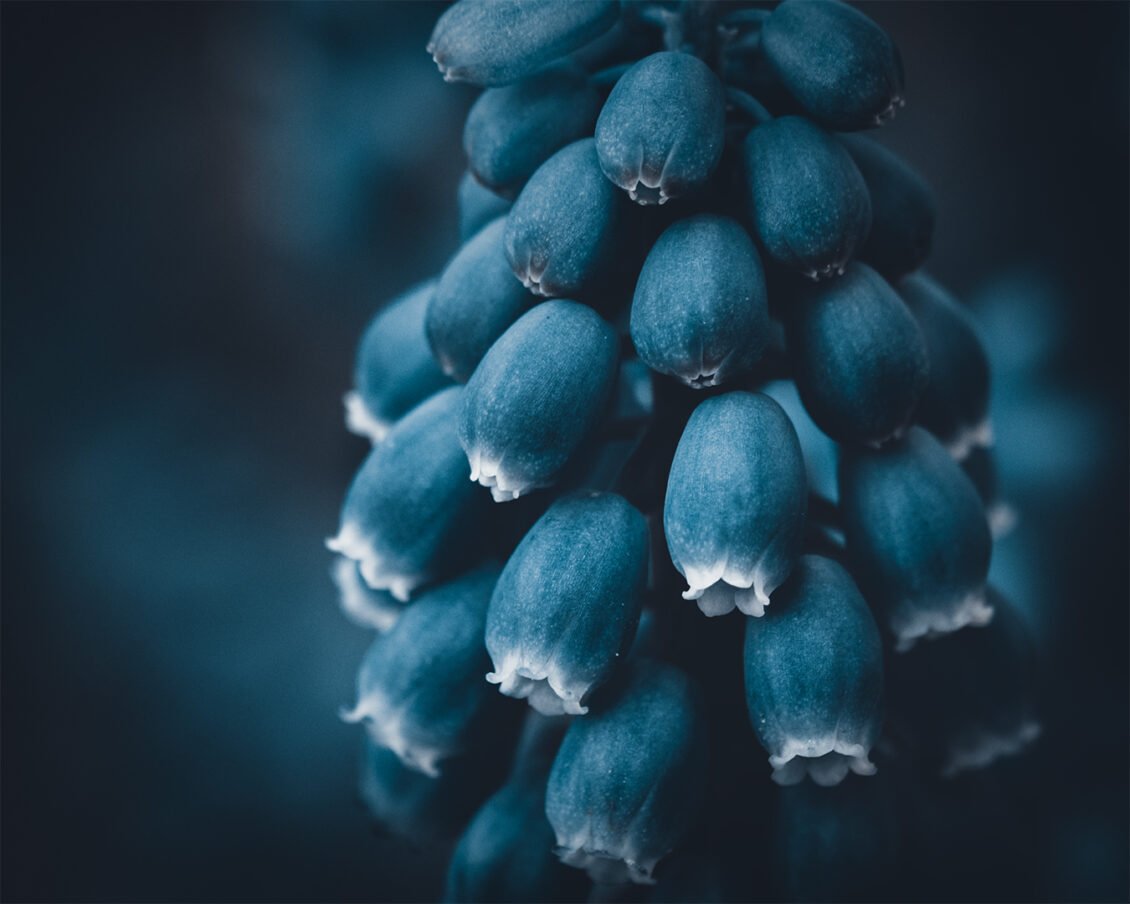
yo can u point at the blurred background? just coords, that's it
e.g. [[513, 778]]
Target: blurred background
[[204, 203]]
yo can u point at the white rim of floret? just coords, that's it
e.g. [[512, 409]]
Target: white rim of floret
[[827, 761], [361, 421], [968, 438], [911, 624], [355, 600], [504, 486], [888, 112], [385, 725], [605, 867], [543, 687], [1002, 518], [352, 543], [836, 268], [719, 589], [531, 275], [979, 749]]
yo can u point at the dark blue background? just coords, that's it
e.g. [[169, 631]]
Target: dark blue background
[[203, 203]]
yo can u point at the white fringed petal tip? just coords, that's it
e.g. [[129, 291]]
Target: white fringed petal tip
[[605, 868], [827, 761], [361, 421], [352, 543], [719, 589], [357, 600], [503, 486], [979, 749], [911, 624], [542, 688], [385, 725], [977, 436]]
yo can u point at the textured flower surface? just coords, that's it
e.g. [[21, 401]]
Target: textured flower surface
[[740, 390]]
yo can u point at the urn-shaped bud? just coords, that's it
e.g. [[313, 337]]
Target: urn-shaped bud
[[736, 498], [564, 231], [903, 209], [395, 370], [495, 42], [809, 203], [628, 780], [420, 691], [409, 515], [841, 67], [955, 403], [700, 311], [814, 676], [475, 301], [536, 396], [858, 357], [917, 536], [662, 129], [513, 130], [565, 610]]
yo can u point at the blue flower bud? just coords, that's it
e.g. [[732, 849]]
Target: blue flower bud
[[420, 690], [363, 605], [628, 781], [955, 402], [409, 515], [700, 311], [814, 676], [562, 232], [535, 396], [971, 700], [838, 64], [495, 42], [810, 206], [662, 129], [566, 607], [478, 205], [858, 357], [513, 130], [736, 498], [395, 369], [476, 300], [903, 209], [917, 536], [420, 808]]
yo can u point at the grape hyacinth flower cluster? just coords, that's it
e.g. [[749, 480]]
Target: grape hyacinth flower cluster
[[684, 363]]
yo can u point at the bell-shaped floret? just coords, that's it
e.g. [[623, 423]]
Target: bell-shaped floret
[[971, 700], [662, 130], [506, 853], [955, 403], [841, 67], [420, 691], [700, 311], [628, 781], [809, 204], [858, 357], [903, 209], [495, 42], [364, 606], [917, 536], [475, 301], [478, 205], [564, 231], [814, 676], [410, 513], [565, 610], [513, 130], [395, 370], [536, 396], [735, 505]]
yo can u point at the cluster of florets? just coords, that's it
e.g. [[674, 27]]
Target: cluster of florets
[[683, 352]]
